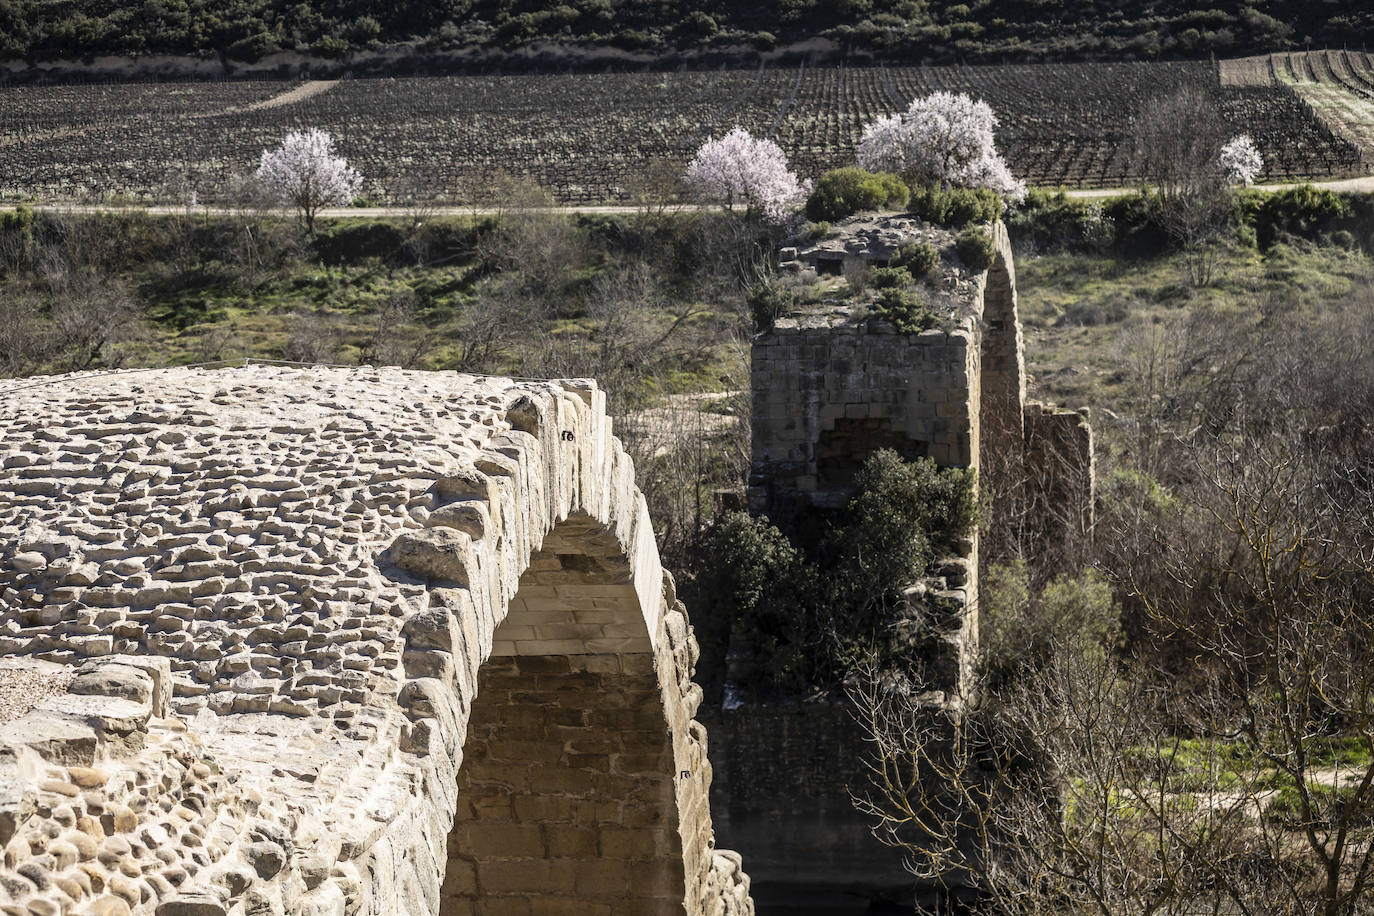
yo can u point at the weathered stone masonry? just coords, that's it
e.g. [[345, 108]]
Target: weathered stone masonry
[[362, 641], [830, 386]]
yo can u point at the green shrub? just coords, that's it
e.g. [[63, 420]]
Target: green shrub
[[954, 207], [17, 235], [764, 41], [843, 192], [349, 242], [806, 619], [906, 310], [917, 258], [1138, 225], [889, 278], [975, 248], [914, 496], [1021, 630], [1050, 221], [905, 514], [1305, 211], [769, 302], [762, 589], [817, 230]]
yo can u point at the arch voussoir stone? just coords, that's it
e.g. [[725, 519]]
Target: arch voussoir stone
[[329, 611]]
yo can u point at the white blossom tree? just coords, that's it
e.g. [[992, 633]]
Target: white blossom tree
[[305, 173], [1241, 161], [738, 169], [944, 139]]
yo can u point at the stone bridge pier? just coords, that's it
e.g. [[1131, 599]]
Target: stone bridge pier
[[340, 642]]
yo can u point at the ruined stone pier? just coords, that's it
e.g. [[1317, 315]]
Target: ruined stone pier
[[831, 384]]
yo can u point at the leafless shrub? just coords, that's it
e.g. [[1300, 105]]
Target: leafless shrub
[[315, 337], [25, 343], [398, 338], [688, 453], [1177, 142], [530, 234], [491, 325], [89, 315], [214, 343], [856, 274]]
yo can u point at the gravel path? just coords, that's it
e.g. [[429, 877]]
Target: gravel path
[[23, 686], [1364, 185]]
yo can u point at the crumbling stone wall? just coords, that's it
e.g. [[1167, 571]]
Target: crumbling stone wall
[[832, 385], [829, 387], [828, 390], [1062, 490], [306, 573]]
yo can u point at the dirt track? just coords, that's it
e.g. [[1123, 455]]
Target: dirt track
[[1363, 185]]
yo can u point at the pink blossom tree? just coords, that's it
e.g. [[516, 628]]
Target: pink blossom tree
[[944, 139], [305, 173], [738, 170]]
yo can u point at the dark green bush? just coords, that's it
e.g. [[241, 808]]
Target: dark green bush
[[889, 278], [906, 309], [1139, 225], [975, 249], [759, 589], [1305, 212], [350, 242], [805, 619], [917, 258], [898, 497], [769, 302], [904, 515], [1052, 221], [954, 207], [843, 192]]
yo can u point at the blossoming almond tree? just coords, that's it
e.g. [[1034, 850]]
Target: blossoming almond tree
[[944, 139], [738, 169], [305, 173], [1241, 161]]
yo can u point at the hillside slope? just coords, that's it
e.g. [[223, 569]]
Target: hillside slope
[[933, 30]]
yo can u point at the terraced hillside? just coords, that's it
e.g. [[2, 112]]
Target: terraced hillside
[[593, 138], [1339, 85]]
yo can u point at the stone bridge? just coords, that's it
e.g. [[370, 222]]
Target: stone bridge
[[340, 642]]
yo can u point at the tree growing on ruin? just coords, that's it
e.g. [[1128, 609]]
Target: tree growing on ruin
[[943, 139], [741, 170], [304, 172]]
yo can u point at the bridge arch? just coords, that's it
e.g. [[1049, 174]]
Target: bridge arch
[[1001, 376], [567, 785], [581, 777]]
